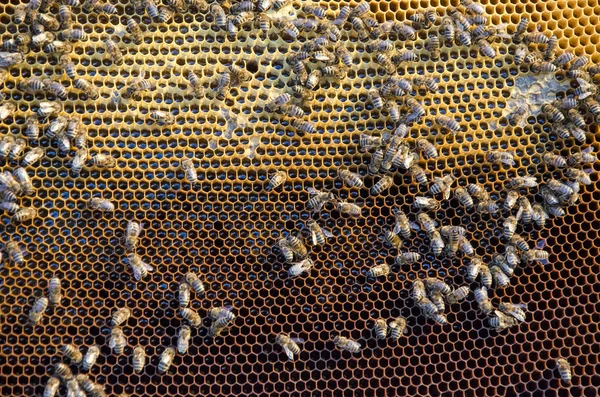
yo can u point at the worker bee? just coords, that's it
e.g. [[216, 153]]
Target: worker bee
[[535, 38], [359, 27], [16, 149], [9, 59], [196, 284], [64, 371], [516, 311], [218, 326], [38, 308], [318, 234], [102, 160], [382, 185], [24, 215], [397, 327], [347, 344], [448, 123], [509, 227], [113, 51], [184, 295], [98, 204], [554, 115], [576, 118], [436, 243], [56, 127], [54, 292], [379, 46], [426, 147], [523, 182], [135, 31], [299, 268], [487, 207], [120, 316], [52, 387], [72, 35], [520, 30], [276, 179], [379, 271], [579, 62], [166, 359], [443, 185], [582, 176], [499, 277], [485, 49], [9, 207], [511, 199], [313, 79], [72, 353], [132, 233], [408, 258], [554, 160], [418, 291], [437, 298], [483, 300], [137, 86], [138, 359], [427, 307], [138, 266], [458, 295], [426, 203], [448, 31], [402, 224], [191, 316], [277, 102], [195, 85], [525, 211], [391, 238], [381, 328], [463, 197], [474, 268], [564, 370], [318, 199], [58, 46], [46, 109], [47, 20], [426, 223], [162, 117], [7, 109], [542, 67], [32, 85], [183, 340], [348, 208], [32, 131], [435, 284], [286, 249], [289, 345], [90, 357], [376, 161], [463, 37], [583, 157], [88, 88], [78, 161], [189, 170], [497, 157], [563, 59], [418, 173]]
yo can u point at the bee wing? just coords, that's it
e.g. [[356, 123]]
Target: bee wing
[[148, 267], [312, 191], [414, 226], [447, 191], [326, 232], [288, 352], [540, 244], [297, 340], [314, 237], [588, 150], [112, 342], [397, 228]]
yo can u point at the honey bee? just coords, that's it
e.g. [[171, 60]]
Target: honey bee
[[402, 224], [287, 27], [500, 321], [517, 311], [452, 235], [437, 243], [318, 234], [487, 207], [426, 203], [195, 282], [162, 117], [435, 284], [52, 387], [132, 233], [113, 51], [9, 59], [448, 123], [426, 147], [46, 109], [7, 109], [189, 170], [483, 300], [218, 326], [380, 328], [9, 207], [564, 370], [376, 161], [486, 49], [523, 182], [391, 238], [379, 46], [582, 176], [276, 179], [419, 174], [418, 291], [347, 344], [318, 199], [511, 199], [289, 345], [16, 149], [78, 161], [184, 295], [382, 185], [359, 27], [98, 204], [56, 127], [90, 357], [474, 268], [139, 359], [583, 157], [464, 197], [499, 277], [379, 271], [299, 268], [497, 157], [437, 298], [166, 360], [64, 371], [57, 46], [72, 353], [458, 295], [136, 32], [397, 327], [24, 215], [139, 268], [554, 160], [54, 292], [19, 15], [427, 307], [426, 223], [137, 86], [448, 31], [463, 37], [443, 185], [408, 258], [525, 211], [32, 85], [191, 316], [72, 35], [348, 208], [183, 340], [88, 88], [38, 308], [120, 316], [509, 227], [151, 8], [74, 389]]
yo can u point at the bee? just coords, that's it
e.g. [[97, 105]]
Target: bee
[[286, 250], [437, 298], [138, 359], [72, 35], [38, 308], [499, 277], [402, 224], [113, 51], [73, 388], [58, 46], [391, 238], [564, 370], [138, 266], [183, 340], [426, 203], [427, 307], [500, 321], [88, 88], [348, 208], [46, 109], [576, 118], [426, 223], [437, 243], [347, 344], [483, 300], [31, 85], [24, 215], [48, 21], [132, 233], [497, 157], [542, 67], [464, 197], [120, 316], [136, 87], [379, 271], [276, 179], [166, 359], [195, 84], [196, 284], [90, 357], [582, 176], [381, 328], [165, 14], [435, 284], [54, 292], [523, 182], [509, 227], [418, 292], [9, 207], [72, 353], [463, 37], [458, 295], [535, 38], [486, 49], [408, 258], [563, 59], [521, 52], [66, 16], [162, 117], [525, 211], [218, 326], [448, 123], [318, 234], [20, 13], [448, 30], [63, 370], [382, 185], [292, 111], [474, 268], [57, 127], [376, 161], [520, 30], [299, 268], [579, 62], [426, 147], [368, 142], [278, 102], [264, 22], [554, 160], [443, 185], [289, 345], [379, 46], [100, 205], [516, 311], [184, 295], [397, 327], [9, 59], [342, 16], [418, 173], [191, 316], [189, 170], [6, 110], [583, 157], [287, 26], [303, 126], [16, 149], [452, 235], [52, 387], [318, 199]]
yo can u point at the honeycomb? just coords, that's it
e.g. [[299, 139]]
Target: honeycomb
[[225, 227]]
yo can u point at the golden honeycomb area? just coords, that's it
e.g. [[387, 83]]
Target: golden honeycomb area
[[226, 226]]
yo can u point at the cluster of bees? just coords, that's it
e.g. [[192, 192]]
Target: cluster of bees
[[322, 57]]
